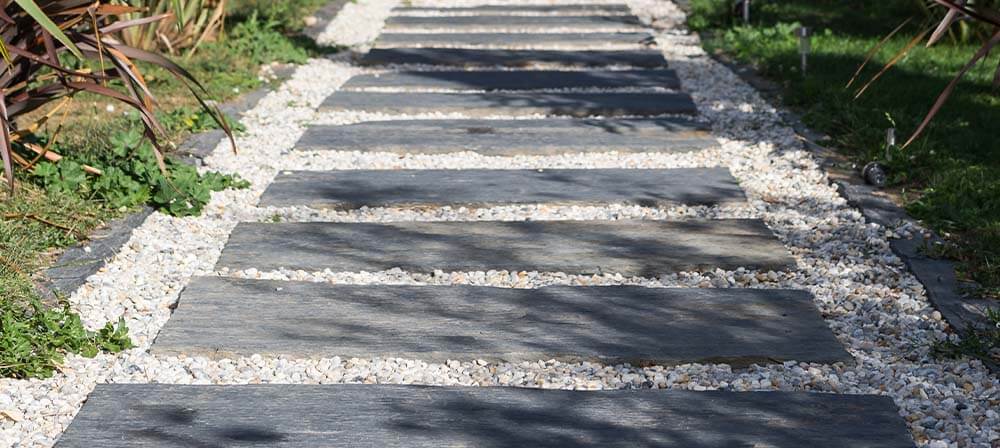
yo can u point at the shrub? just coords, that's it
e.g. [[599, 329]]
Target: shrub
[[64, 47]]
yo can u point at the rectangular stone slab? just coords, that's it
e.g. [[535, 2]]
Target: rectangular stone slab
[[515, 8], [610, 325], [352, 189], [502, 22], [569, 104], [517, 80], [529, 40], [552, 136], [465, 57], [391, 416], [632, 248]]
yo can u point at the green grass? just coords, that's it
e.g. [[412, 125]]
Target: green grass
[[34, 336], [58, 205], [950, 178]]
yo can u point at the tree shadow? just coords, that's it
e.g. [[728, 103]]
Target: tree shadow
[[612, 325], [353, 189], [511, 137], [417, 416], [641, 248]]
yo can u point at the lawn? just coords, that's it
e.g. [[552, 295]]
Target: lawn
[[949, 178], [58, 204]]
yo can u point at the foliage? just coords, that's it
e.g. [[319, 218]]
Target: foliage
[[130, 176], [41, 68], [185, 24], [34, 338], [286, 15], [259, 39], [979, 343]]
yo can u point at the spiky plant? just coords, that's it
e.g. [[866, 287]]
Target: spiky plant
[[55, 49], [985, 16], [185, 26]]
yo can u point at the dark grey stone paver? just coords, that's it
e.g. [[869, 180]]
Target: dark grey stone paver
[[501, 22], [349, 189], [570, 104], [632, 248], [511, 137], [611, 325], [608, 8], [356, 415], [531, 40], [465, 57], [517, 80]]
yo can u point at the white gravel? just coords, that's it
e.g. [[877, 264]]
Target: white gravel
[[876, 308]]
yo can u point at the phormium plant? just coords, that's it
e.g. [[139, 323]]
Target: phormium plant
[[186, 24], [983, 13], [54, 49]]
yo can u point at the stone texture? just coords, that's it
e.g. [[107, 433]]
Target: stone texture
[[631, 248], [463, 57], [514, 103], [511, 137], [606, 8], [636, 325], [501, 22], [517, 80], [530, 40], [278, 415], [351, 189]]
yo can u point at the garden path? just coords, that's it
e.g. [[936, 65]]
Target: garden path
[[603, 87]]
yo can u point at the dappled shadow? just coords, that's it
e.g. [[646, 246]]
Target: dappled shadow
[[352, 189], [630, 247], [636, 325], [511, 137], [571, 104], [488, 417], [416, 416], [462, 57], [593, 22], [521, 40], [518, 80]]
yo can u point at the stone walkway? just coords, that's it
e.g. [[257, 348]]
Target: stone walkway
[[465, 215]]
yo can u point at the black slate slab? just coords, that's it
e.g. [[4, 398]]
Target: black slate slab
[[517, 80], [608, 104], [350, 189], [528, 40], [612, 325], [464, 57], [519, 9], [511, 137], [631, 248], [283, 415], [507, 22]]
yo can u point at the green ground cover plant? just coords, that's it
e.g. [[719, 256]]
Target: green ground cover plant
[[58, 203]]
